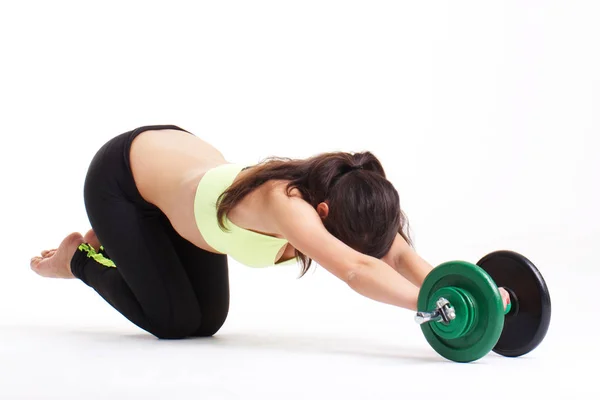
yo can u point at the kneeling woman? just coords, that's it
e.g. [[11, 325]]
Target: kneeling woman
[[167, 209]]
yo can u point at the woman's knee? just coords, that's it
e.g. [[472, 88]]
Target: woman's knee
[[179, 328], [211, 323], [207, 331], [190, 321]]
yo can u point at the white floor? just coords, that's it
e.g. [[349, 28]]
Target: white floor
[[283, 350]]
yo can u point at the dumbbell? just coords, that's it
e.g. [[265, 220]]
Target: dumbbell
[[464, 316]]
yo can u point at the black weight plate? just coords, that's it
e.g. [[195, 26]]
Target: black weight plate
[[526, 324]]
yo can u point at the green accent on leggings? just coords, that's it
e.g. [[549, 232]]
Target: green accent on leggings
[[99, 258]]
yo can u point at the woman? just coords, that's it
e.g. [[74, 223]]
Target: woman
[[166, 209]]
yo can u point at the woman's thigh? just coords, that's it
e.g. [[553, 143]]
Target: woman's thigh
[[138, 239], [209, 276]]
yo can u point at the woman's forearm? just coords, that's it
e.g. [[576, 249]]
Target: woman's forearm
[[378, 281], [407, 262], [412, 266]]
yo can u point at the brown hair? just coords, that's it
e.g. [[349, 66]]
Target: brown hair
[[364, 207]]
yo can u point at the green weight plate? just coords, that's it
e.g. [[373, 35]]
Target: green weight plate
[[478, 296], [464, 308]]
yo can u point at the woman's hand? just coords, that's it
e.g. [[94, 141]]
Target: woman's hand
[[505, 297]]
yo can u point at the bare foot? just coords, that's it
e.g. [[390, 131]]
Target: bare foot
[[91, 239], [56, 263]]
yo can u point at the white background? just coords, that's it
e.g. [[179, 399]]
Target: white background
[[484, 114]]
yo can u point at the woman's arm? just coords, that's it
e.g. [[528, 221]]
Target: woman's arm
[[407, 262], [300, 224]]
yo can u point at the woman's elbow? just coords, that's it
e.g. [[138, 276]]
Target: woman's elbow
[[352, 275]]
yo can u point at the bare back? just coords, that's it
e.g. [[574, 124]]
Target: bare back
[[167, 166]]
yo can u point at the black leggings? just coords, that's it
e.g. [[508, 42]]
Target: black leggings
[[160, 282]]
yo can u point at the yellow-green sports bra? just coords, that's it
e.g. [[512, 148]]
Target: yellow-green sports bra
[[245, 246]]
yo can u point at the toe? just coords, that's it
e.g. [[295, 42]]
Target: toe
[[51, 253], [48, 253], [35, 262]]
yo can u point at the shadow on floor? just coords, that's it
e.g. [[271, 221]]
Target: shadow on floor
[[299, 343]]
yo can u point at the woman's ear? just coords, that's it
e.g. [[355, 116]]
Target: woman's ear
[[323, 210]]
